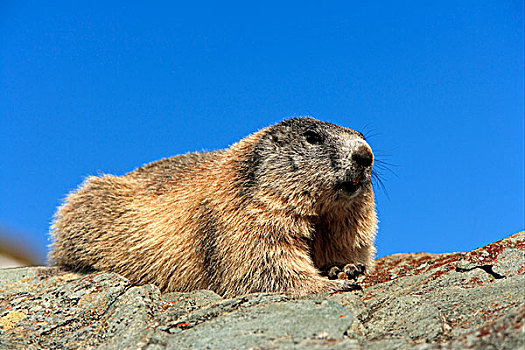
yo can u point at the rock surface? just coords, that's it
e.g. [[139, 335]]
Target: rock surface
[[412, 301]]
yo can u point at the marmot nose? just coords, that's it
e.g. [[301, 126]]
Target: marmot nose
[[363, 157]]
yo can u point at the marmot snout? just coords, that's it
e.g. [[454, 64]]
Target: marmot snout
[[268, 214]]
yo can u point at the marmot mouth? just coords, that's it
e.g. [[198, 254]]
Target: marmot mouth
[[349, 187]]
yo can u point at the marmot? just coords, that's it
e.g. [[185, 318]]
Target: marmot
[[269, 214]]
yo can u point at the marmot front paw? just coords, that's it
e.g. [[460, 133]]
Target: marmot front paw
[[346, 272]]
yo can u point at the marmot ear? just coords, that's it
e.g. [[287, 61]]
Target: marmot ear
[[278, 137]]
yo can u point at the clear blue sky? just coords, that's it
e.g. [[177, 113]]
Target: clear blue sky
[[94, 86]]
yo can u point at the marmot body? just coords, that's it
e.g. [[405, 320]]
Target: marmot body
[[267, 214]]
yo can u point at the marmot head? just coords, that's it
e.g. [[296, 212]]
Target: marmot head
[[306, 164]]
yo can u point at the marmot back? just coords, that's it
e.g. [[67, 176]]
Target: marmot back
[[269, 214]]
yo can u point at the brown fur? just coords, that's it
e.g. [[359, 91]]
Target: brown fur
[[265, 215]]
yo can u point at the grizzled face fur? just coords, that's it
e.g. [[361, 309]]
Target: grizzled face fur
[[306, 160]]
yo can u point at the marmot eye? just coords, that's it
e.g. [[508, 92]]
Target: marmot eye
[[313, 138]]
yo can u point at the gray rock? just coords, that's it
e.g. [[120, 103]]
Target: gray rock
[[281, 324]]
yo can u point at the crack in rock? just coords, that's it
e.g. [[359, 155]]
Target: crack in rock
[[487, 268], [201, 315], [214, 310]]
